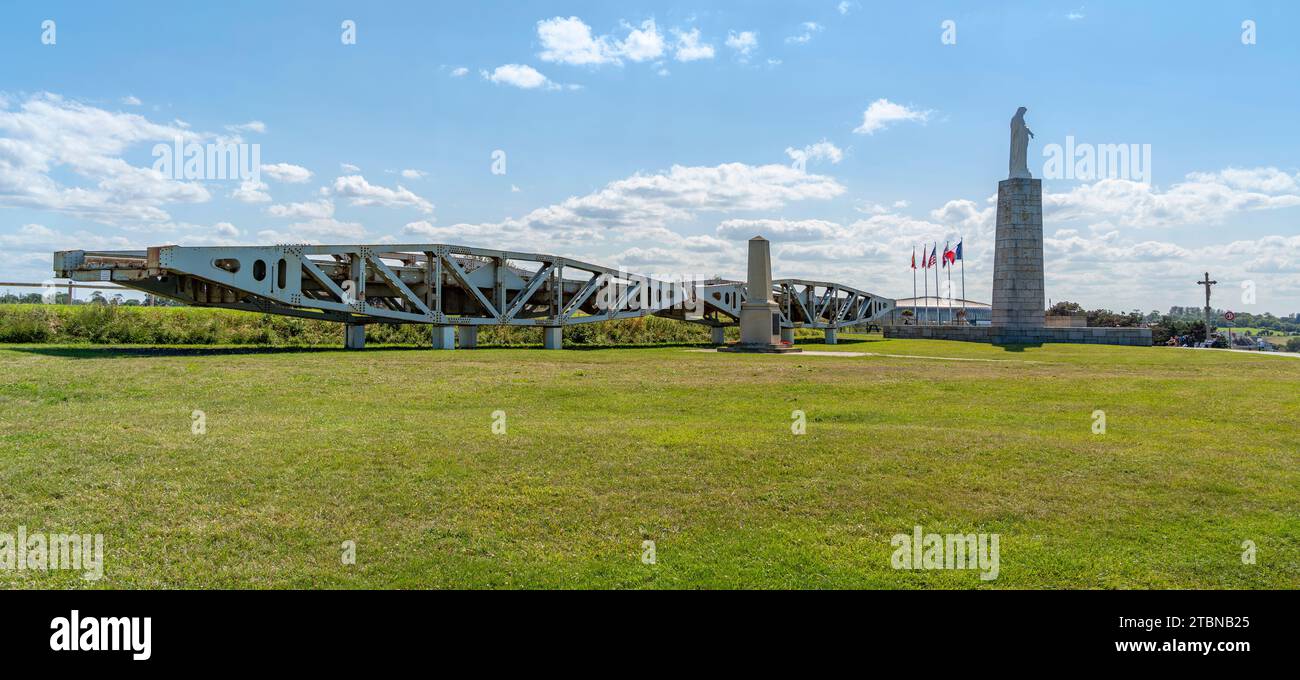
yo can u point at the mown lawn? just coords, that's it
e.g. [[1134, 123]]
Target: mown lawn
[[393, 448]]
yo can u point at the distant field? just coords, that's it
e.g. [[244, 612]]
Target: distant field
[[1276, 339], [604, 448]]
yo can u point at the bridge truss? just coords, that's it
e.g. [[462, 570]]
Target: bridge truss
[[449, 286]]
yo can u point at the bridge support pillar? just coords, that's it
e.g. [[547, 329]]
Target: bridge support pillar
[[832, 336], [787, 336], [719, 335], [468, 336], [444, 337], [553, 337], [354, 336]]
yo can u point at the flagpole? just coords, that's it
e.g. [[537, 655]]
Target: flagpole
[[948, 265], [937, 316], [960, 243], [925, 263], [914, 317]]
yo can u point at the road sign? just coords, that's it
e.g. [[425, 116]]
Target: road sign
[[1229, 315]]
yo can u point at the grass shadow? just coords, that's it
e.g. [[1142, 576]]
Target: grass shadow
[[1017, 347], [118, 351], [136, 351]]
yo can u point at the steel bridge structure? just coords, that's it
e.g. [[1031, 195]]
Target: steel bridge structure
[[452, 287]]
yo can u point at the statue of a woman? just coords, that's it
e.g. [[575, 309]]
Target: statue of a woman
[[1020, 135]]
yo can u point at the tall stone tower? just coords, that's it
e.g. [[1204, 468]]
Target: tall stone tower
[[1018, 255], [1018, 315]]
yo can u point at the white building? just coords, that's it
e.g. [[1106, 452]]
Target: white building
[[932, 309]]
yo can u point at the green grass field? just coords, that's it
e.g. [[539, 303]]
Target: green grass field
[[604, 448]]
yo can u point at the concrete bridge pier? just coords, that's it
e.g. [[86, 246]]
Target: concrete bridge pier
[[444, 337], [832, 336], [553, 337], [787, 335], [718, 335], [467, 336], [354, 336]]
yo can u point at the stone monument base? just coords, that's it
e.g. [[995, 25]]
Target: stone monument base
[[1002, 335]]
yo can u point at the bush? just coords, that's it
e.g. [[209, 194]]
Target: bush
[[1293, 345], [120, 324]]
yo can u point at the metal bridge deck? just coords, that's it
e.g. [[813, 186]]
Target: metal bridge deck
[[449, 285]]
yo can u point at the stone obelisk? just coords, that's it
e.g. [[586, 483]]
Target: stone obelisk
[[760, 317], [1018, 244]]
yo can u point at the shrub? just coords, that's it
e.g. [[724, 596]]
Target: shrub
[[121, 324]]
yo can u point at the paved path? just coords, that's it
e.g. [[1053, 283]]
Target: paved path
[[1293, 355], [823, 353]]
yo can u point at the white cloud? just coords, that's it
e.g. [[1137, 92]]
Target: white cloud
[[521, 76], [287, 173], [780, 229], [809, 28], [636, 209], [459, 72], [131, 100], [684, 191], [1269, 180], [413, 174], [966, 216], [251, 191], [821, 151], [1201, 198], [420, 227], [49, 136], [569, 41], [349, 168], [321, 230], [744, 43], [226, 229], [844, 7], [688, 47], [882, 113], [1075, 15], [251, 126], [363, 193], [642, 44], [308, 210]]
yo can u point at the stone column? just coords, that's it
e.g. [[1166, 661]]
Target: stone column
[[719, 335], [787, 335], [760, 317], [832, 336], [759, 324], [1018, 255], [468, 336]]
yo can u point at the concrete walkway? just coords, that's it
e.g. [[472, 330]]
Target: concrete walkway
[[822, 353]]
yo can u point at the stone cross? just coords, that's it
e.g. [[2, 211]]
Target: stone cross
[[1207, 283]]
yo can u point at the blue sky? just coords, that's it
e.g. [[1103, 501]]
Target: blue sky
[[660, 135]]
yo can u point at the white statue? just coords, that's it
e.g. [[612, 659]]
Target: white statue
[[1020, 134]]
